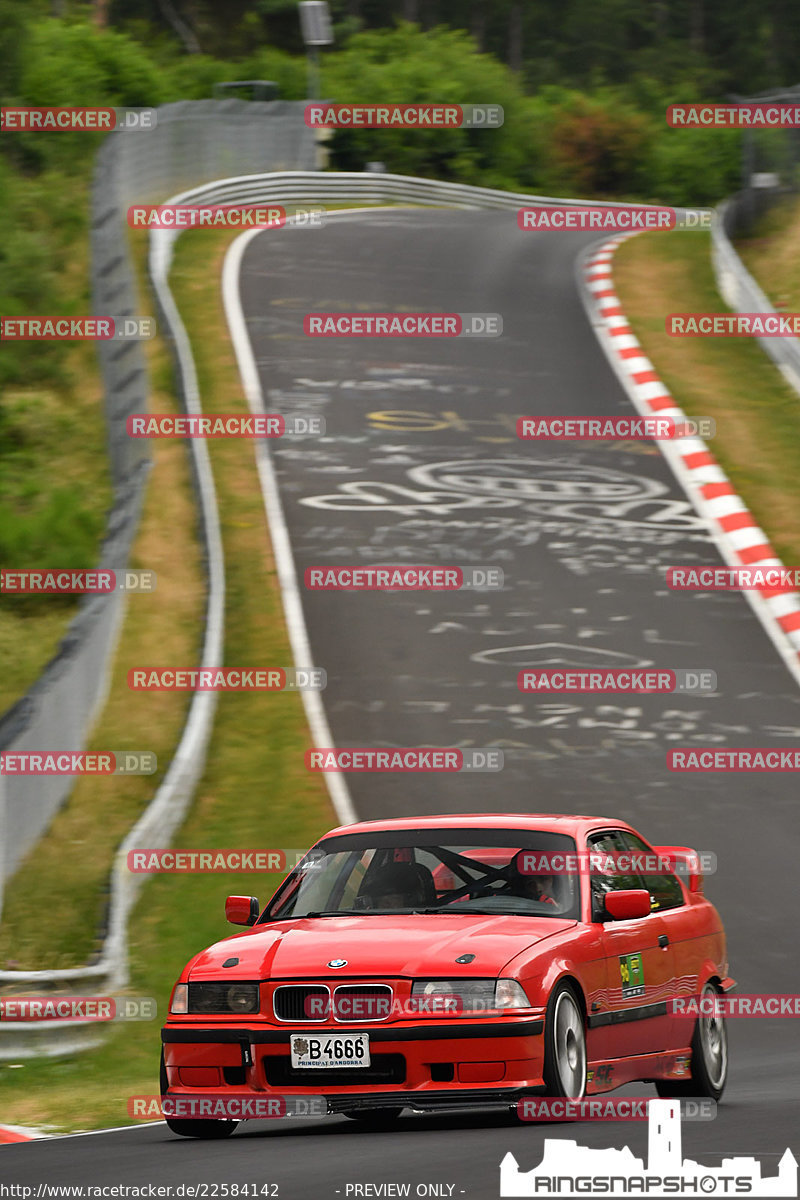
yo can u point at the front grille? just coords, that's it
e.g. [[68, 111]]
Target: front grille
[[362, 1002], [233, 997], [385, 1068], [301, 1002]]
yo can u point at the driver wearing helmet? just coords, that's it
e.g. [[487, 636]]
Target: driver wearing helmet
[[532, 886]]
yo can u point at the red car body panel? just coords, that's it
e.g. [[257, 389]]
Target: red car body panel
[[457, 1059]]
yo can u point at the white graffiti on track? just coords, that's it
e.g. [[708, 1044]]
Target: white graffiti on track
[[560, 654], [607, 502]]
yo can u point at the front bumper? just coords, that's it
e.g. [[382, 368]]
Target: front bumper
[[427, 1066]]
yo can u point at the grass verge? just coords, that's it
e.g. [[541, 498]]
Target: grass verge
[[729, 379], [255, 791], [54, 481], [772, 254]]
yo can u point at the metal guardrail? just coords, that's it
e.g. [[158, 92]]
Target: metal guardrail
[[740, 291], [155, 827]]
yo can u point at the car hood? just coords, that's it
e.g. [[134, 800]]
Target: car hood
[[389, 946]]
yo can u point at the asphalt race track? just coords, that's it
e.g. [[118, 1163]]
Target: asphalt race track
[[421, 465]]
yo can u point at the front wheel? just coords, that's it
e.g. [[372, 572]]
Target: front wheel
[[709, 1067], [207, 1130], [565, 1045]]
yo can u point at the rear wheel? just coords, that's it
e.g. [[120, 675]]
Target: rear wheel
[[207, 1130], [378, 1118], [709, 1067], [565, 1045]]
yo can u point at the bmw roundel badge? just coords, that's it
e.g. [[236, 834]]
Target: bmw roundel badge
[[338, 962]]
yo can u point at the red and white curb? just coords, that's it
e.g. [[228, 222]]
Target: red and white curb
[[18, 1133], [740, 540]]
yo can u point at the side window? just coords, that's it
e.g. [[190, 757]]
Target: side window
[[665, 890], [604, 882]]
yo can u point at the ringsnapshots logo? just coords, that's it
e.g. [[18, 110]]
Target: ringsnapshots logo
[[224, 425], [569, 1169], [602, 429], [77, 329], [402, 579], [694, 680], [622, 218], [53, 581], [404, 116], [227, 679], [78, 762], [416, 324], [408, 759], [68, 119]]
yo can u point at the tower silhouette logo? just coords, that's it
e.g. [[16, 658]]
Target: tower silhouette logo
[[568, 1169]]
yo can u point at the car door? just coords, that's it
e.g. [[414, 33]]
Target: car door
[[687, 948], [639, 971]]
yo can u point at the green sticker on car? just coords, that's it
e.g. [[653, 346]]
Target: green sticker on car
[[631, 969]]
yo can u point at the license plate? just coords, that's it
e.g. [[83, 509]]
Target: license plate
[[323, 1050]]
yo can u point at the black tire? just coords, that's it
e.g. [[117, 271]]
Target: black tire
[[375, 1118], [565, 1044], [709, 1068], [207, 1130]]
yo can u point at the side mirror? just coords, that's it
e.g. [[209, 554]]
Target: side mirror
[[241, 910], [626, 906]]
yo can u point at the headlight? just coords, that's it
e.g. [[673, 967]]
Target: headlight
[[220, 998], [180, 999], [454, 996], [510, 994]]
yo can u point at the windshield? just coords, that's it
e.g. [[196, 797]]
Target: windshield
[[429, 872]]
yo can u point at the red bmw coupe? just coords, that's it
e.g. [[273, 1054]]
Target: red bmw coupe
[[439, 962]]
